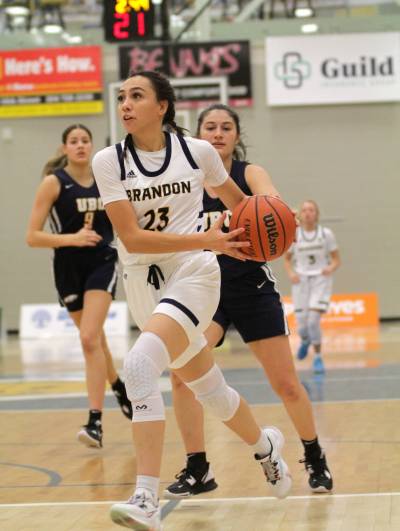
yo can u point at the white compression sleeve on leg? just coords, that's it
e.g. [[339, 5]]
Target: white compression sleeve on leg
[[143, 366], [212, 391]]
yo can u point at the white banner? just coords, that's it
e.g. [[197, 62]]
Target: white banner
[[326, 69], [38, 321]]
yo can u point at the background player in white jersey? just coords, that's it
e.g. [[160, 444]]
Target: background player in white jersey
[[152, 188], [310, 263], [85, 263]]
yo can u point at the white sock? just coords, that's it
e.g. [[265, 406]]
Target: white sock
[[149, 483], [263, 446]]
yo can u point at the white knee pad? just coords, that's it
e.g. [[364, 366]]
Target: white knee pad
[[212, 391], [314, 327], [143, 365], [302, 325]]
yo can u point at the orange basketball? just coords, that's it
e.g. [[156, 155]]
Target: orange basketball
[[269, 225]]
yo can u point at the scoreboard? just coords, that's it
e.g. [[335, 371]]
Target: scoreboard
[[128, 20]]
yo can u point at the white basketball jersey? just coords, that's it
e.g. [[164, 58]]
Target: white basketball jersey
[[311, 250], [164, 187]]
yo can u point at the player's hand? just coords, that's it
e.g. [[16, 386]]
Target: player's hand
[[86, 238], [224, 242], [327, 271], [294, 278]]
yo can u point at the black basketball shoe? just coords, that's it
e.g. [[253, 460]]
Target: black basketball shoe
[[320, 478], [122, 398], [191, 482], [91, 435]]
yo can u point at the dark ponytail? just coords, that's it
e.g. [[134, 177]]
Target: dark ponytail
[[240, 151], [60, 160]]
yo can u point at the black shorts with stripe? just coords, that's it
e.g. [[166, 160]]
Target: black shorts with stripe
[[79, 270], [252, 305]]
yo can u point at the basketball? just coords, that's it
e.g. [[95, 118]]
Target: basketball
[[269, 224]]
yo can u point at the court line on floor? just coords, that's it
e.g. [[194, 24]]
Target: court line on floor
[[69, 485], [54, 477], [165, 379], [164, 384], [277, 403], [48, 396], [128, 444], [205, 501], [53, 378]]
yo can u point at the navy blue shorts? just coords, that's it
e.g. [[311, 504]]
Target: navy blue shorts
[[252, 305], [78, 271]]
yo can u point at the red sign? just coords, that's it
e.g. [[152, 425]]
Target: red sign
[[229, 59], [53, 81]]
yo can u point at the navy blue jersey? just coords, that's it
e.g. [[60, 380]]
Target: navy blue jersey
[[213, 208], [77, 207]]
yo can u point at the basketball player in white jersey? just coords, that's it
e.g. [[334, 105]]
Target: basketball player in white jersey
[[152, 188], [310, 263]]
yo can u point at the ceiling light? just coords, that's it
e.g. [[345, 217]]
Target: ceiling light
[[52, 28], [303, 12], [17, 11], [309, 28]]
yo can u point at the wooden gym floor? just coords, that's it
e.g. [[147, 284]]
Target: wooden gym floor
[[48, 481]]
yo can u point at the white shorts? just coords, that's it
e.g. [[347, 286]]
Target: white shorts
[[312, 293], [189, 294]]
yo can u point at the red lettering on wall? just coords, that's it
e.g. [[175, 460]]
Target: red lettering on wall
[[143, 60]]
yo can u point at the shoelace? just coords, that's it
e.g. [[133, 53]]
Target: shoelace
[[144, 502], [307, 465], [317, 467], [271, 469], [138, 499], [183, 475], [96, 427], [154, 276]]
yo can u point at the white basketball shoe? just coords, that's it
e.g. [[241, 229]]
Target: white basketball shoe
[[140, 512], [275, 469]]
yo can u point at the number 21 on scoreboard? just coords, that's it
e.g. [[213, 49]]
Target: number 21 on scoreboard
[[127, 20]]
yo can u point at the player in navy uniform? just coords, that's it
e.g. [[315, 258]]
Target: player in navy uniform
[[85, 264], [310, 263], [249, 301], [152, 188]]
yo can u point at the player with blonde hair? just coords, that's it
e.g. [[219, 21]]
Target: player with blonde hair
[[310, 263]]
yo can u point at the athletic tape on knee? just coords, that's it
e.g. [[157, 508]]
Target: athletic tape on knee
[[302, 325], [212, 391], [314, 327], [143, 366]]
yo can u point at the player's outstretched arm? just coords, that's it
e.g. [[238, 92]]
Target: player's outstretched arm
[[259, 181], [229, 193]]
